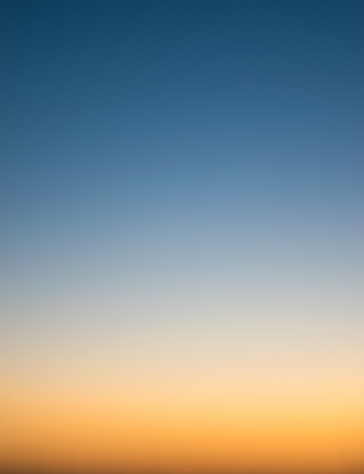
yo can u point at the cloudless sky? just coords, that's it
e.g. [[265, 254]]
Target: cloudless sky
[[181, 181]]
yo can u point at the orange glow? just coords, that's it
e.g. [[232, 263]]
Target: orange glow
[[175, 431]]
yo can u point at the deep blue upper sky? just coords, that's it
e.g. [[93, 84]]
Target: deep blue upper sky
[[119, 109]]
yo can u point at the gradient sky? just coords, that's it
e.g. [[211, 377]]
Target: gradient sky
[[182, 227]]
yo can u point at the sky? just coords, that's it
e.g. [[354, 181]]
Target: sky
[[182, 233]]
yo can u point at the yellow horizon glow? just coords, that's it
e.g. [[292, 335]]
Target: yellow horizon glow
[[199, 427]]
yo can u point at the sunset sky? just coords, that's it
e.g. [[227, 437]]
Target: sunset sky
[[182, 264]]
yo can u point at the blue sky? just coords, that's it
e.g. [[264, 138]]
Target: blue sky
[[192, 167]]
